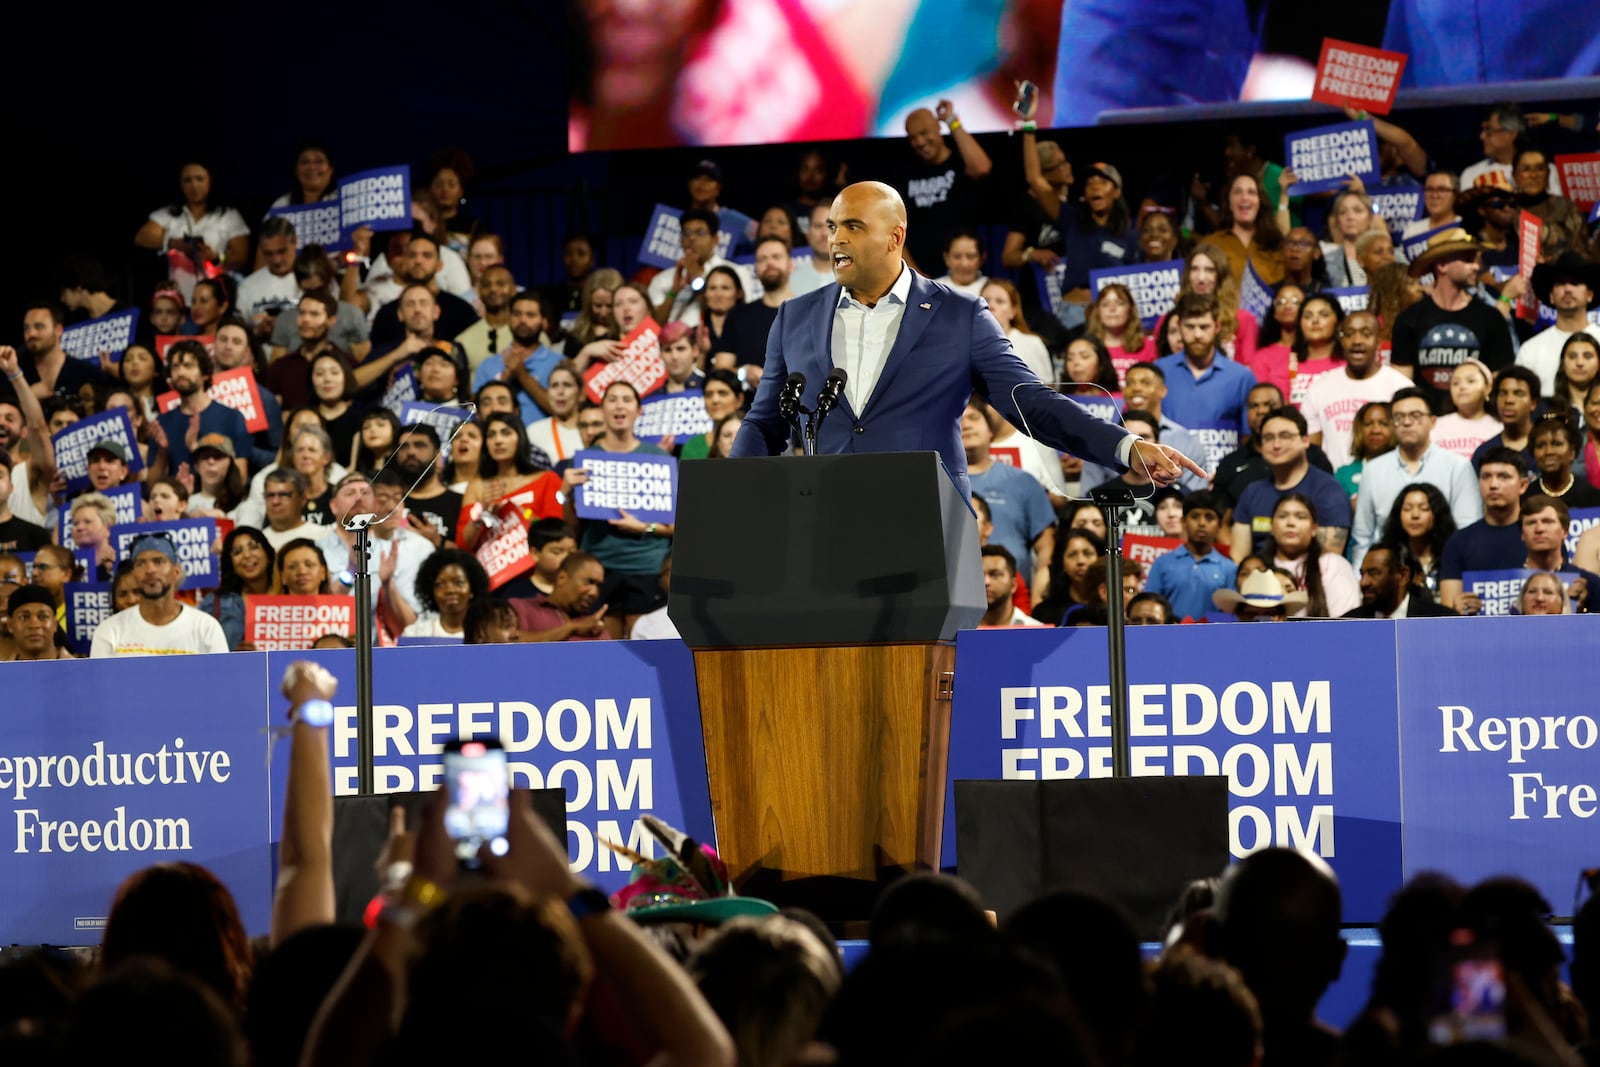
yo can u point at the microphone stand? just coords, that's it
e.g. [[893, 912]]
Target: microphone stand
[[1113, 498], [361, 525]]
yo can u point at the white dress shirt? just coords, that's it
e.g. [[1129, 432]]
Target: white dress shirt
[[863, 336]]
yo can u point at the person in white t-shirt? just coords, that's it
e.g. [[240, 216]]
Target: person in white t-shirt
[[266, 292], [557, 436], [158, 625], [1005, 304], [1571, 285], [215, 234], [963, 264], [1331, 402], [1471, 423], [1504, 127], [1439, 191]]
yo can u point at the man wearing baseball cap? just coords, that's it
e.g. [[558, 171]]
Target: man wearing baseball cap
[[108, 464], [158, 625]]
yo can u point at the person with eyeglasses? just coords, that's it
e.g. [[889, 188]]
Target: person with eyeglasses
[[1285, 441], [1439, 191], [53, 568], [673, 291], [1500, 132], [1415, 459]]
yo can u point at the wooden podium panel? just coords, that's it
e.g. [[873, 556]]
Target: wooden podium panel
[[826, 763]]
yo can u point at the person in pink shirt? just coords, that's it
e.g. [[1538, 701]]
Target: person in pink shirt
[[1471, 423], [1316, 345], [1114, 319], [1273, 362]]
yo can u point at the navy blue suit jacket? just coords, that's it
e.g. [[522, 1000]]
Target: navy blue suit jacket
[[948, 346]]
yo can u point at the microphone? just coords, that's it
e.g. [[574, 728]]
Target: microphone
[[789, 399], [832, 389]]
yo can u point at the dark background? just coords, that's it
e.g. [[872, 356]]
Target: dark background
[[103, 107]]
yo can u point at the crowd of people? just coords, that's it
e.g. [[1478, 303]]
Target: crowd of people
[[523, 960], [1367, 449]]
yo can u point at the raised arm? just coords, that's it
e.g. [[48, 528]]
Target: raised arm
[[974, 159], [41, 450], [1411, 153], [304, 894]]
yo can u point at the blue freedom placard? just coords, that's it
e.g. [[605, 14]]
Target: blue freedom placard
[[1050, 282], [73, 444], [1101, 406], [615, 723], [676, 415], [1326, 157], [442, 417], [1307, 742], [1352, 298], [401, 390], [109, 334], [1498, 733], [126, 499], [88, 605], [193, 538], [1580, 519], [646, 487], [1154, 286], [1397, 207], [379, 198], [1497, 590], [318, 224], [1412, 247], [1255, 295], [662, 247], [109, 766]]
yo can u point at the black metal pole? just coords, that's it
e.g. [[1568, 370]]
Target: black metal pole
[[1116, 633], [364, 628]]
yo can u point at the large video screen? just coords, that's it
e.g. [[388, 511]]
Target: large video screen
[[656, 73]]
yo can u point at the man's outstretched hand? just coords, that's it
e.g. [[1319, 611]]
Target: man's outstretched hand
[[1164, 465]]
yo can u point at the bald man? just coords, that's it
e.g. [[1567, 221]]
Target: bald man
[[940, 187], [915, 351]]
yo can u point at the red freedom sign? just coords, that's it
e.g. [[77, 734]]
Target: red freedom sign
[[292, 623], [236, 389], [1527, 257], [1145, 550], [1580, 178], [639, 364], [1355, 75]]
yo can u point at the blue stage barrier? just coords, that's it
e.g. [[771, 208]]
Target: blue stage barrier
[[1480, 730]]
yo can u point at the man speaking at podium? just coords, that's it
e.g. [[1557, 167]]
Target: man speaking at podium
[[913, 351]]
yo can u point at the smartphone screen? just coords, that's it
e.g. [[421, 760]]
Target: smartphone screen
[[1471, 1001], [479, 788]]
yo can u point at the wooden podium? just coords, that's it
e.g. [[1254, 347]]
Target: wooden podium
[[824, 659]]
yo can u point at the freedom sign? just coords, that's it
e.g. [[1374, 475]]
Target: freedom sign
[[615, 723], [1307, 742], [111, 334], [1398, 207], [88, 605], [288, 623], [646, 487], [1580, 520], [1255, 295], [1358, 76], [1324, 158], [1528, 225], [662, 246], [639, 364], [444, 418], [193, 539], [379, 198], [1580, 178], [315, 224], [74, 443], [676, 415], [1154, 286], [1145, 550], [1412, 247], [1050, 282], [503, 550], [1498, 591], [1352, 298], [113, 765]]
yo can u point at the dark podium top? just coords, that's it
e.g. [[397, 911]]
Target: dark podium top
[[823, 550]]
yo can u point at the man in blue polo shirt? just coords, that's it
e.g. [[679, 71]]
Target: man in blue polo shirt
[[1188, 576], [1284, 444], [1024, 521], [1206, 391], [525, 364]]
